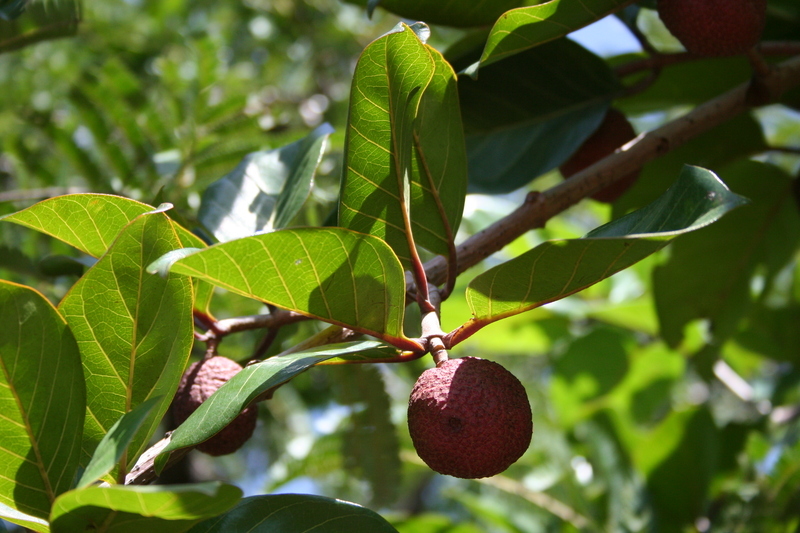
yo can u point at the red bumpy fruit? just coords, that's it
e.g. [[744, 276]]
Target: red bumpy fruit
[[469, 418], [613, 132], [200, 381], [714, 27]]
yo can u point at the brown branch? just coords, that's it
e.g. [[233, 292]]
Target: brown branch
[[767, 48]]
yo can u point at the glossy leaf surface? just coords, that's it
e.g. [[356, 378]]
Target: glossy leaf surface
[[134, 329], [556, 269], [265, 191], [296, 512], [42, 402], [404, 152], [129, 508], [253, 380], [460, 14], [526, 27], [335, 275]]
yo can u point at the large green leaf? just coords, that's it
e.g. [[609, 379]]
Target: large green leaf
[[133, 509], [42, 401], [526, 115], [526, 27], [556, 269], [134, 330], [89, 222], [265, 191], [335, 275], [253, 380], [759, 240], [404, 152], [296, 512]]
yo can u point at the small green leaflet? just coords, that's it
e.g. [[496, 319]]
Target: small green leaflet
[[154, 509], [296, 512], [526, 27], [335, 275], [254, 379], [116, 441], [556, 269], [42, 401], [405, 160]]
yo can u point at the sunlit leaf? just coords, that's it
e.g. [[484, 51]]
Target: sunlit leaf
[[404, 153], [131, 509], [526, 27], [114, 444], [134, 330], [231, 399], [296, 512], [556, 269], [335, 275], [42, 402], [265, 191], [89, 222]]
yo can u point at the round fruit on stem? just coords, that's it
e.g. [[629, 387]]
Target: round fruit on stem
[[199, 382], [613, 132], [714, 27], [469, 418]]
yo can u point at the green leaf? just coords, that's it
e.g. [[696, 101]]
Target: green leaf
[[723, 259], [132, 509], [556, 269], [41, 22], [691, 441], [332, 274], [526, 115], [265, 191], [458, 14], [370, 445], [135, 330], [526, 27], [116, 441], [296, 512], [735, 139], [254, 379], [89, 222], [404, 153], [22, 519], [43, 401]]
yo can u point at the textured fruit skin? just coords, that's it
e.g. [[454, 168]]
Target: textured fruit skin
[[613, 132], [714, 27], [469, 418], [200, 381]]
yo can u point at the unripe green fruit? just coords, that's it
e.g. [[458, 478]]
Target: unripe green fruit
[[613, 132], [199, 382], [469, 418], [714, 27]]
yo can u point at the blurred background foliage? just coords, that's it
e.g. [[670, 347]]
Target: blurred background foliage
[[665, 398]]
